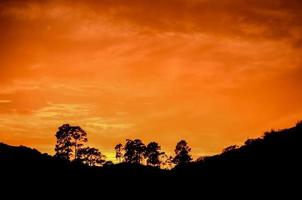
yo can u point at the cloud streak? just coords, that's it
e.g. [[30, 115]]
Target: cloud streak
[[5, 101]]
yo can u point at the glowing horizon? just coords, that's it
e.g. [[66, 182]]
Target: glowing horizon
[[212, 73]]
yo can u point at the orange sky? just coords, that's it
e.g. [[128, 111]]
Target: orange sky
[[212, 72]]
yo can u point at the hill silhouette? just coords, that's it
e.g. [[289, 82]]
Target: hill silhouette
[[275, 156], [271, 160]]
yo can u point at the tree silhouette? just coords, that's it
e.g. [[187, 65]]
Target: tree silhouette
[[63, 147], [166, 162], [152, 153], [90, 156], [134, 151], [182, 152], [119, 152], [69, 140]]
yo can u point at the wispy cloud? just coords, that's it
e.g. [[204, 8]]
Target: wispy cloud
[[62, 111], [98, 123], [20, 85]]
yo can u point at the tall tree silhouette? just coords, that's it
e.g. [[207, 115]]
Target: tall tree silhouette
[[182, 153], [69, 140], [64, 145], [134, 151], [119, 152], [153, 153], [91, 156]]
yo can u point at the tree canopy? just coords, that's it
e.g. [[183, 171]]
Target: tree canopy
[[182, 153]]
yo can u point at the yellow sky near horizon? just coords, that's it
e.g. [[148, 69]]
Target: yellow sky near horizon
[[213, 73]]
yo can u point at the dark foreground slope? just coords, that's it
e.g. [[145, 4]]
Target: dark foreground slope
[[275, 156], [273, 160]]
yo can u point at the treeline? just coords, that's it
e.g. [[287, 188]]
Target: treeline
[[273, 157], [71, 146], [273, 160]]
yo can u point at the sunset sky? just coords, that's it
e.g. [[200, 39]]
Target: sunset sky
[[212, 72]]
